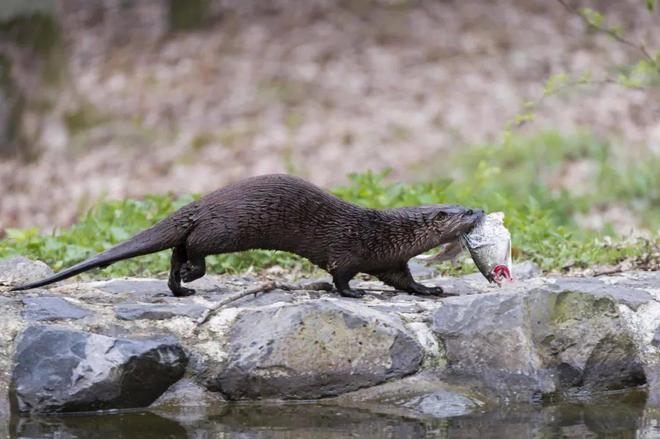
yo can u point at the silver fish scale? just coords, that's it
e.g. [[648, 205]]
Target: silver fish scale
[[489, 244]]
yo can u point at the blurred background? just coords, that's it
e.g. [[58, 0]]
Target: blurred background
[[517, 102]]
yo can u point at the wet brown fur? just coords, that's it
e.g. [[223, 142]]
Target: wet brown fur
[[282, 212]]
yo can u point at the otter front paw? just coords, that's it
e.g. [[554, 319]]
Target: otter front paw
[[422, 290], [436, 291], [178, 290], [348, 292], [183, 292]]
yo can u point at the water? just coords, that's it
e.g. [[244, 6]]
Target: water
[[612, 417]]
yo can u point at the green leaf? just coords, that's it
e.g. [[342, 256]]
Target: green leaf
[[594, 18]]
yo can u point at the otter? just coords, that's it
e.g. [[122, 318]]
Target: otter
[[281, 212]]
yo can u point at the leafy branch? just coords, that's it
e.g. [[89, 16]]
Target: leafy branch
[[594, 20], [637, 76]]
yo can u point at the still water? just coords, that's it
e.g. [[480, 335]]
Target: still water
[[626, 417]]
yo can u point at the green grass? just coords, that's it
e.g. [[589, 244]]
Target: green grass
[[516, 178]]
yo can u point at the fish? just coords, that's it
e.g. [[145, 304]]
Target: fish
[[489, 245]]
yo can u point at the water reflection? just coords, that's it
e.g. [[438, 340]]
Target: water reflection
[[619, 417], [142, 425]]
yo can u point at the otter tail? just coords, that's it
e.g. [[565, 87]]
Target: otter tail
[[161, 236]]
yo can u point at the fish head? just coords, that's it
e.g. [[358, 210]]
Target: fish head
[[451, 221], [499, 273]]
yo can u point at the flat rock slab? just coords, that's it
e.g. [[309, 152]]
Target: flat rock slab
[[631, 297], [637, 279], [261, 299], [143, 288], [158, 311], [312, 350], [51, 308], [20, 270], [62, 370]]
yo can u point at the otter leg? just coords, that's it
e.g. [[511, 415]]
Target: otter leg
[[193, 269], [401, 279], [340, 278], [179, 257]]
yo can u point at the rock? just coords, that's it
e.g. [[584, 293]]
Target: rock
[[142, 288], [459, 286], [158, 311], [62, 370], [312, 350], [417, 396], [51, 308], [539, 343], [630, 297], [186, 393], [486, 336], [146, 289], [656, 337], [525, 270], [652, 372], [637, 279], [262, 299], [20, 270]]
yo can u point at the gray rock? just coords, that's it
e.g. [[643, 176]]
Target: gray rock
[[417, 396], [141, 288], [652, 372], [316, 349], [205, 284], [20, 270], [656, 337], [486, 336], [50, 308], [61, 370], [158, 311], [262, 299], [186, 393], [630, 297], [398, 307], [525, 270], [638, 279], [539, 343], [458, 286]]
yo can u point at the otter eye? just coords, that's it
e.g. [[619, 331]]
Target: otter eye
[[440, 215]]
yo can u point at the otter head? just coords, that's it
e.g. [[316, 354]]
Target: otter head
[[450, 221]]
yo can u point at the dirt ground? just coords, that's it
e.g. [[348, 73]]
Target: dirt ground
[[319, 89]]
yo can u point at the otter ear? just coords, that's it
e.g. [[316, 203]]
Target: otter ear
[[439, 215]]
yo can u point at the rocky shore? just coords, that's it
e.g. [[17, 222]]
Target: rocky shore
[[127, 343]]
